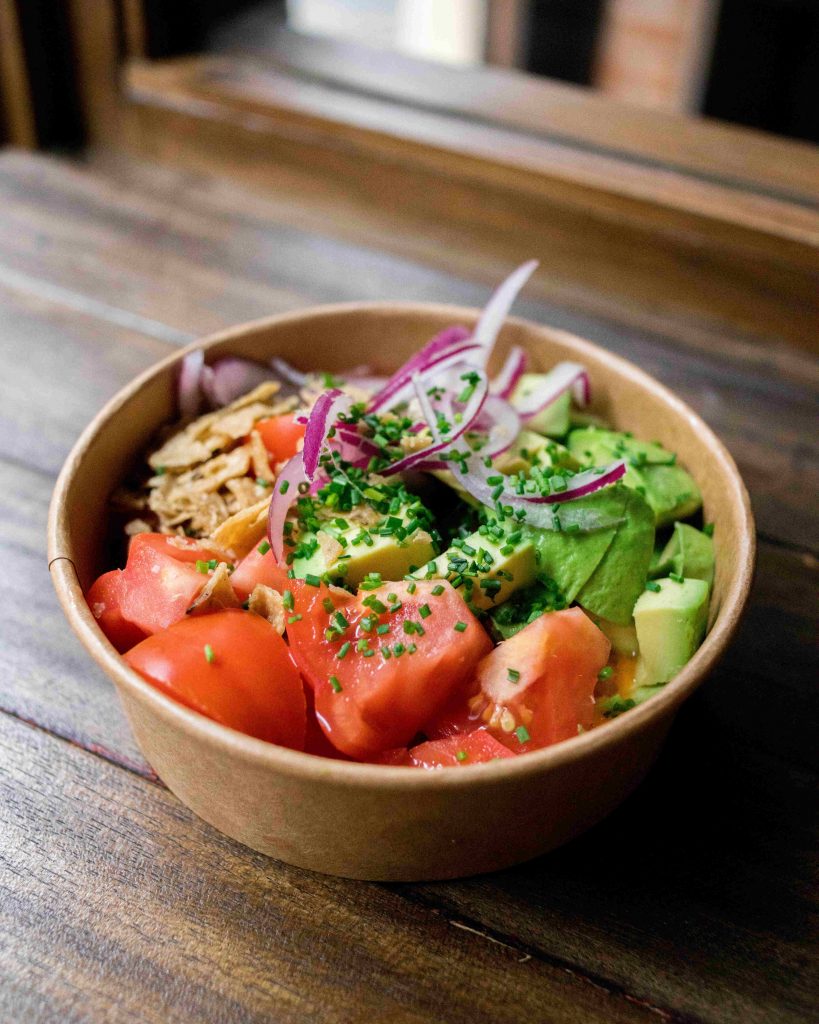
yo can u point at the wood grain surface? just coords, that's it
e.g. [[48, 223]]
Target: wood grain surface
[[695, 902]]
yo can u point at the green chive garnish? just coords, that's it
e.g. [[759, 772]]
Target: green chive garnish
[[342, 651], [210, 657], [336, 685], [461, 755], [460, 627], [513, 674], [424, 611], [522, 734], [655, 587], [287, 600], [605, 673], [437, 590], [264, 547]]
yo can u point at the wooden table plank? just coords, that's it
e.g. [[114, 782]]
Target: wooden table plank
[[117, 904], [184, 267]]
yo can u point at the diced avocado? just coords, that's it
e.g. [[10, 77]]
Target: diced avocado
[[689, 552], [670, 625], [355, 550], [651, 470], [623, 638], [532, 449], [591, 444], [671, 492], [571, 558], [618, 581], [489, 565], [553, 421]]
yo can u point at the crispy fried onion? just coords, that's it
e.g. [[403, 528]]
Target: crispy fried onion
[[213, 478]]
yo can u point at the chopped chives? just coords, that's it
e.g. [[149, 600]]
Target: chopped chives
[[676, 577], [605, 673], [381, 630], [522, 734], [293, 618], [460, 627], [287, 600], [336, 685], [513, 674], [424, 611], [210, 657], [461, 755], [311, 580], [655, 587], [284, 487], [342, 651], [412, 587], [264, 547], [437, 590], [328, 605]]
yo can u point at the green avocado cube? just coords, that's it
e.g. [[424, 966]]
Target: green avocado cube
[[689, 552], [670, 624], [617, 582], [553, 421], [651, 470], [487, 569]]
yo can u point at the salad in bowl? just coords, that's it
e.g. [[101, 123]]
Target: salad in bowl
[[439, 568]]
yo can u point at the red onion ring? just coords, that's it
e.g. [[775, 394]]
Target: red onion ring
[[497, 309], [322, 419], [557, 381], [285, 492], [510, 373], [189, 394]]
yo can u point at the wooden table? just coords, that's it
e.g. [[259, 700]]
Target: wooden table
[[695, 902]]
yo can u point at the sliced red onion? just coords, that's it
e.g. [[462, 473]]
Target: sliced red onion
[[188, 386], [323, 416], [232, 377], [497, 309], [468, 416], [288, 373], [285, 492], [512, 370], [449, 342], [537, 509], [500, 422], [556, 382]]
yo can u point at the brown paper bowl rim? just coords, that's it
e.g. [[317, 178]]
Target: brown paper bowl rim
[[347, 773]]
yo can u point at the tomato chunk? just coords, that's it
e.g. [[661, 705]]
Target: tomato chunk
[[259, 566], [105, 601], [231, 666], [161, 579], [385, 661], [476, 747], [537, 687], [281, 436]]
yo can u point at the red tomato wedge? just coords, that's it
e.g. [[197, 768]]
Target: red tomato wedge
[[475, 747], [105, 601], [368, 701], [231, 666], [259, 566], [537, 687], [161, 579], [281, 435]]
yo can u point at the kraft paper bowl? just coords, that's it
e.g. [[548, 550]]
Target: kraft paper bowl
[[384, 822]]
